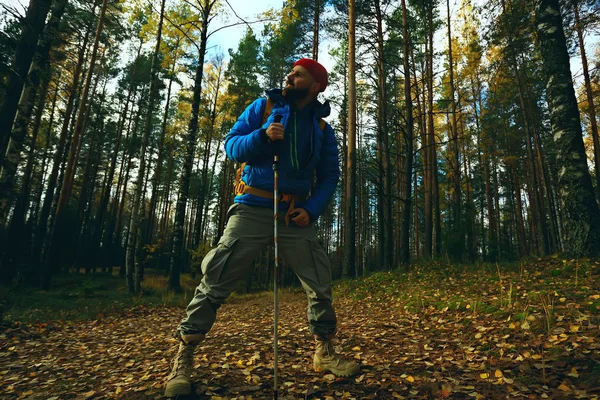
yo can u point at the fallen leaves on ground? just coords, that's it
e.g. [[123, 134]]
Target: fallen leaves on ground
[[430, 334]]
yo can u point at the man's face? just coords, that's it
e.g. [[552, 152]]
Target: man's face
[[300, 84]]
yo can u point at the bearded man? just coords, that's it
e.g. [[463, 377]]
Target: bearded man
[[307, 147]]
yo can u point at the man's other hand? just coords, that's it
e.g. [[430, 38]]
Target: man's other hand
[[300, 217], [275, 131]]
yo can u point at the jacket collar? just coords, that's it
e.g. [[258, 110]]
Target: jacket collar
[[320, 110]]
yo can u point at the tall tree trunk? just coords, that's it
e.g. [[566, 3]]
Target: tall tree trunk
[[350, 233], [205, 188], [161, 155], [538, 206], [582, 220], [469, 204], [25, 108], [523, 248], [40, 188], [83, 258], [16, 241], [32, 26], [86, 181], [458, 234], [493, 250], [105, 196], [344, 129], [422, 125], [426, 154], [118, 240], [134, 240], [590, 99], [43, 225], [58, 234], [362, 203], [384, 205], [408, 166], [210, 183], [224, 193], [178, 239], [315, 49], [433, 226]]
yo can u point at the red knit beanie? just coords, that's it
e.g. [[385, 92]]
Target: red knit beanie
[[316, 70]]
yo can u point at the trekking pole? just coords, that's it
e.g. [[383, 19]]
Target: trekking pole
[[276, 267]]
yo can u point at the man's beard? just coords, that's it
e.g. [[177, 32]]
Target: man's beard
[[292, 94]]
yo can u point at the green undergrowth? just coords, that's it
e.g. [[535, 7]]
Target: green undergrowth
[[537, 291], [88, 296], [504, 290]]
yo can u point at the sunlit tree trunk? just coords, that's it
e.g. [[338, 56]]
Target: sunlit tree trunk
[[117, 241], [582, 222], [428, 145], [178, 234], [350, 233], [344, 132], [224, 201], [209, 192], [315, 49], [161, 155], [210, 133], [457, 224], [422, 124]]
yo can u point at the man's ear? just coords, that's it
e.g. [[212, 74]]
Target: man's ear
[[315, 87]]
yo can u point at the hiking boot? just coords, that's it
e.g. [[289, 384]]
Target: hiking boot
[[326, 359], [179, 380]]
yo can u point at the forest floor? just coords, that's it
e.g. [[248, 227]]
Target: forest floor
[[528, 330]]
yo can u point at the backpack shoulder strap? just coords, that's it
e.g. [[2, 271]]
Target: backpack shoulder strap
[[322, 124], [268, 108]]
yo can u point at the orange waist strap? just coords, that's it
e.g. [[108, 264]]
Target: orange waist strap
[[241, 188]]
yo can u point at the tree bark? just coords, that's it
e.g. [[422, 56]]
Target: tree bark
[[58, 235], [458, 234], [205, 188], [350, 223], [582, 222], [134, 241], [32, 26], [315, 49], [25, 108], [105, 196], [384, 205], [159, 162], [178, 234], [408, 166]]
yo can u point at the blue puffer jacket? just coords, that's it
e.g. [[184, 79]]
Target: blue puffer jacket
[[247, 142]]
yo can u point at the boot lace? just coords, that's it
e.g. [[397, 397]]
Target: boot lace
[[183, 362]]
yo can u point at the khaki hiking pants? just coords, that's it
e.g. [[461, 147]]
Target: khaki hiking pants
[[249, 230]]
